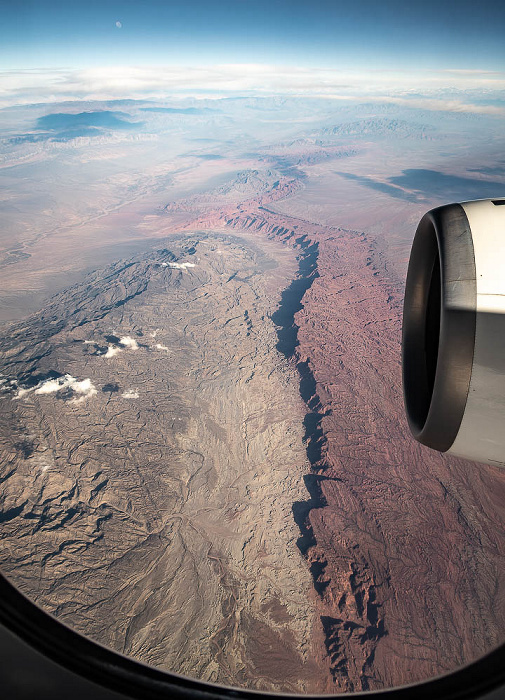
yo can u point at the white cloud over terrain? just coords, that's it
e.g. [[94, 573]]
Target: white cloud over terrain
[[126, 342], [112, 351], [130, 394], [84, 389], [129, 342], [178, 266]]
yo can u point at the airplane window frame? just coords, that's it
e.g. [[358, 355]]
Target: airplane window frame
[[133, 679]]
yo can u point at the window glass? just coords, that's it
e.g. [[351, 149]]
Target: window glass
[[207, 212]]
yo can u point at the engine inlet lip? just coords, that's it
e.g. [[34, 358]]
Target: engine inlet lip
[[440, 297]]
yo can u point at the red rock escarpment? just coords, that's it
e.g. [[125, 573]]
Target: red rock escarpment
[[406, 546]]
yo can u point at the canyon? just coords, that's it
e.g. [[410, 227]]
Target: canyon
[[375, 495]]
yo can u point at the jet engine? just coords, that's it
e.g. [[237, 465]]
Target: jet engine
[[454, 331]]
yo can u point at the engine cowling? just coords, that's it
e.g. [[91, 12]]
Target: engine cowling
[[454, 331]]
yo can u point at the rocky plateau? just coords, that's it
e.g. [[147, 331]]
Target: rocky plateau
[[152, 447]]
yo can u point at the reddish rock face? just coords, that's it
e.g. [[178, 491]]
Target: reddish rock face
[[408, 544]]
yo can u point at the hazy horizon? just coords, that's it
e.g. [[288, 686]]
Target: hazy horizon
[[53, 51]]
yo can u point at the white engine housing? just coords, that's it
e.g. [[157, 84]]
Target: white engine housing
[[454, 331]]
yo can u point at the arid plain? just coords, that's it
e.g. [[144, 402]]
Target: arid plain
[[205, 462]]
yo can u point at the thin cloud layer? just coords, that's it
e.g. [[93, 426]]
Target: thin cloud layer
[[162, 82]]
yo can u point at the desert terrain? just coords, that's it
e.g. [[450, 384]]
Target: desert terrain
[[205, 462]]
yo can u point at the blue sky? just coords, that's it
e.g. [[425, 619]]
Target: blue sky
[[363, 34]]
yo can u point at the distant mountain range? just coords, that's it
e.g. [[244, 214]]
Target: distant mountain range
[[179, 110], [64, 126], [377, 127]]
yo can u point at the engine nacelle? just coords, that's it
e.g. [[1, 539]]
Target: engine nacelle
[[454, 331]]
